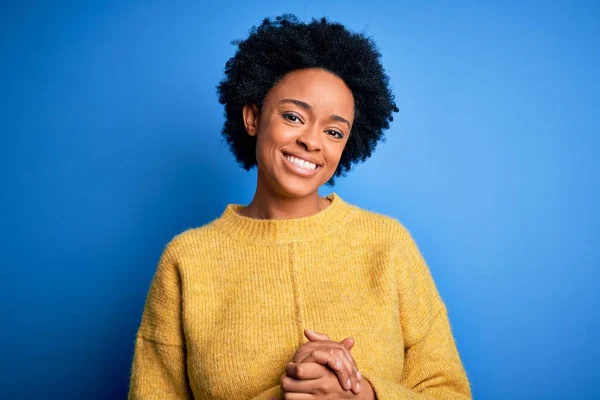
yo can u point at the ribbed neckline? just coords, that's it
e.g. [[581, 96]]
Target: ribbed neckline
[[279, 231]]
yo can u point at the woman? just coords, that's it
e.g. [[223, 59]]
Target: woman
[[298, 296]]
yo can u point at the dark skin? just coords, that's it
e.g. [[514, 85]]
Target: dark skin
[[300, 115], [302, 129]]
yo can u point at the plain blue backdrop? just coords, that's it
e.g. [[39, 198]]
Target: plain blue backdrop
[[111, 134]]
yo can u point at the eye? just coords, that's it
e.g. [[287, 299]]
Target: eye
[[291, 117], [336, 134]]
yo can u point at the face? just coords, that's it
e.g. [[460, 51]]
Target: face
[[301, 131]]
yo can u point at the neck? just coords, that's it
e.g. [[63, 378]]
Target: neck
[[268, 204], [291, 230]]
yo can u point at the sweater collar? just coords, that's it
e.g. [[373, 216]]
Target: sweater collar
[[280, 231]]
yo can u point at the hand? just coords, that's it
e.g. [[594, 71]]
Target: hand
[[310, 380], [321, 349]]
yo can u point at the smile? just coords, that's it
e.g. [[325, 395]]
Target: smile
[[307, 165], [300, 167]]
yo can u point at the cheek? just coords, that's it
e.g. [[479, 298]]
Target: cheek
[[271, 139], [334, 155], [266, 149]]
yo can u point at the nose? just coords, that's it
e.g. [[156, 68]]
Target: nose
[[310, 139]]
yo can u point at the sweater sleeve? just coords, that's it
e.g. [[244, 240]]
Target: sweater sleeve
[[432, 365], [273, 392], [159, 362]]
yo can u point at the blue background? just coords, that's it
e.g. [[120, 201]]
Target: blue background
[[111, 134]]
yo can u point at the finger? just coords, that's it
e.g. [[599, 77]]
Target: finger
[[312, 335], [348, 361], [348, 343], [324, 358], [298, 396], [304, 370], [340, 369], [340, 361], [289, 384]]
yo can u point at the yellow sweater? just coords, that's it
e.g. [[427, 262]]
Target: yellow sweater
[[229, 301]]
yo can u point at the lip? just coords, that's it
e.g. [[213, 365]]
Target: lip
[[298, 170]]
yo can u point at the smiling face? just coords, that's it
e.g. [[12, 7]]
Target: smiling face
[[301, 131]]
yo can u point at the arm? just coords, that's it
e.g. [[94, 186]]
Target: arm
[[432, 369], [432, 366], [159, 362]]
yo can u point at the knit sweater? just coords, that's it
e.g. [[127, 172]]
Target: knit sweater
[[229, 302]]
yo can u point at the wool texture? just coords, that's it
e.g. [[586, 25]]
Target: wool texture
[[229, 301]]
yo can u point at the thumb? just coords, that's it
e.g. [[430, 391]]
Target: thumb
[[312, 335], [348, 343]]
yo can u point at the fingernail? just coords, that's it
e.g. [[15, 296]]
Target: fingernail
[[337, 363], [348, 384], [357, 386], [359, 375]]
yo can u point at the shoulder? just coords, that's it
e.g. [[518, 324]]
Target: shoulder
[[192, 241], [384, 224], [376, 228]]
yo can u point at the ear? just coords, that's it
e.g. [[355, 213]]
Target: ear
[[250, 114]]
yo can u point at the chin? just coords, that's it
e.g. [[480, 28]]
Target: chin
[[295, 188]]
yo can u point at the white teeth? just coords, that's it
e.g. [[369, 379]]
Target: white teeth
[[301, 163]]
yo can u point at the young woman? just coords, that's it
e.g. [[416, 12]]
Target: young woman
[[294, 295]]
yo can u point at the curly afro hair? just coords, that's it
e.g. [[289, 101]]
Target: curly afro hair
[[284, 44]]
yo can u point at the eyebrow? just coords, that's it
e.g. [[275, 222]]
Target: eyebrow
[[308, 107]]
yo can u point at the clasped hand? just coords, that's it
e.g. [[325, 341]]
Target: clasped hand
[[322, 369]]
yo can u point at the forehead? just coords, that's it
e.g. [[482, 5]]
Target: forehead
[[323, 90]]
